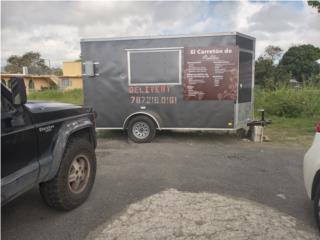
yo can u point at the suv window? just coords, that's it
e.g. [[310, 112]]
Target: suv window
[[6, 106]]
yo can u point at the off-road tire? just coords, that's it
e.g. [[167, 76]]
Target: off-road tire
[[145, 120], [56, 192], [316, 207]]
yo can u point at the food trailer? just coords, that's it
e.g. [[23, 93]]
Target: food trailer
[[187, 82]]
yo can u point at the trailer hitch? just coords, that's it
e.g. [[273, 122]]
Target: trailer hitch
[[262, 122], [257, 127]]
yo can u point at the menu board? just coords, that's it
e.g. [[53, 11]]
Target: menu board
[[211, 73]]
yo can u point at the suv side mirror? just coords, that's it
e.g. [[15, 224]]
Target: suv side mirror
[[19, 95]]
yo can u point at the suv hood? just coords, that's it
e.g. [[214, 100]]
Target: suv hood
[[49, 111], [41, 106]]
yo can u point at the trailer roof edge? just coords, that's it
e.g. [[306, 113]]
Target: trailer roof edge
[[165, 36]]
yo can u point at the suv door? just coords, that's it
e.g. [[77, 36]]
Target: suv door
[[19, 165]]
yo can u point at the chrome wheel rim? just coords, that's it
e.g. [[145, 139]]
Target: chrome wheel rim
[[79, 173], [141, 130]]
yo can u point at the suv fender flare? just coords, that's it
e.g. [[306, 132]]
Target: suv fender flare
[[48, 171]]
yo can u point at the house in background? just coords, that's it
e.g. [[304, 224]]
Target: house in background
[[72, 76], [33, 83], [71, 79]]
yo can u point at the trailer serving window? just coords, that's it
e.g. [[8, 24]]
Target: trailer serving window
[[154, 66]]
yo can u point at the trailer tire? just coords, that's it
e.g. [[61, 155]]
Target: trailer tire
[[243, 133], [141, 129]]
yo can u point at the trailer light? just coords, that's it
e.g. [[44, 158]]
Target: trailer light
[[229, 124]]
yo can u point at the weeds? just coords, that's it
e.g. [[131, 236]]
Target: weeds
[[289, 102], [74, 96]]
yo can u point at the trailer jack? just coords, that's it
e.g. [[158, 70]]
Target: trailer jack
[[257, 127]]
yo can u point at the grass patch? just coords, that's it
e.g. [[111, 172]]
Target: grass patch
[[293, 111], [74, 96], [293, 131], [289, 102]]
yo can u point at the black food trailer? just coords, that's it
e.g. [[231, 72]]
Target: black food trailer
[[187, 82]]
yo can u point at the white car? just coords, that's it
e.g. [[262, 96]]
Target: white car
[[311, 170]]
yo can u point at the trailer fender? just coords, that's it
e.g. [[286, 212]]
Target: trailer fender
[[154, 116]]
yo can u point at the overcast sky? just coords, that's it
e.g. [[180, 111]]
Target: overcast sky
[[55, 28]]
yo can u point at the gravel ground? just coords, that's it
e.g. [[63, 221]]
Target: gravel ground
[[179, 215], [265, 179]]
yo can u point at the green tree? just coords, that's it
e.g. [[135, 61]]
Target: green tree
[[263, 71], [32, 60], [269, 74], [14, 65], [300, 61], [273, 53], [315, 4], [56, 71], [281, 75]]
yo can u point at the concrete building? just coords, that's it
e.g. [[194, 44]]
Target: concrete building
[[33, 82], [71, 79], [72, 76]]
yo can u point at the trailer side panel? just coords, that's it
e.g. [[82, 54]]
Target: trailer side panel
[[115, 96]]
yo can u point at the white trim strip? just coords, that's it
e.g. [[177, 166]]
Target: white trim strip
[[185, 129], [246, 50], [253, 79], [153, 84], [108, 128], [180, 66], [236, 108], [167, 36], [164, 49], [204, 129], [129, 68]]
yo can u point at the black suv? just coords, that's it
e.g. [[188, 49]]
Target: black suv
[[50, 144]]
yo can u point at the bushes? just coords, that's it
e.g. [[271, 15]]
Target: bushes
[[289, 102]]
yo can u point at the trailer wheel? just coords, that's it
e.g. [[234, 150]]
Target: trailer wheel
[[243, 133], [141, 129]]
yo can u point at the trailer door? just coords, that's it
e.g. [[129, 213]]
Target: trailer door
[[245, 92]]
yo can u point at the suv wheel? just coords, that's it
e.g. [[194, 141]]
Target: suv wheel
[[141, 129], [73, 182]]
